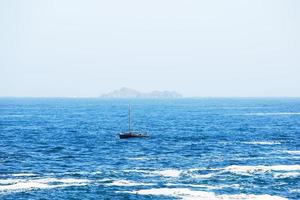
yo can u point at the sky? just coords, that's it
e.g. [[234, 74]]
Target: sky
[[215, 48]]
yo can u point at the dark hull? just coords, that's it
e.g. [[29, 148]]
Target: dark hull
[[131, 135]]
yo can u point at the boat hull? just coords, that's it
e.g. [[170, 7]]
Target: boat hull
[[132, 135]]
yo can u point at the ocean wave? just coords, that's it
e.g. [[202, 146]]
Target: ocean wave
[[127, 183], [292, 152], [14, 116], [262, 142], [188, 194], [135, 171], [210, 187], [207, 173], [203, 176], [239, 169], [24, 174], [139, 158], [278, 171], [284, 170], [295, 190], [250, 197], [166, 172], [174, 173], [10, 185], [8, 181], [286, 175], [275, 113], [194, 173]]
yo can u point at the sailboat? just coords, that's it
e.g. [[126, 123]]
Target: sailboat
[[130, 133]]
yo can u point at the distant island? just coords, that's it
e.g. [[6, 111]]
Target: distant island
[[131, 93]]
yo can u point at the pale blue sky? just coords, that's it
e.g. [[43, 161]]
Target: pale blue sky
[[198, 48]]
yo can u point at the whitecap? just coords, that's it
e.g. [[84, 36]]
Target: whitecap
[[269, 157], [26, 185], [9, 181], [135, 171], [73, 181], [127, 183], [104, 180], [250, 197], [260, 168], [96, 172], [139, 158], [198, 169], [168, 173], [176, 192], [286, 175], [262, 142], [292, 152], [24, 174], [210, 187], [190, 185], [203, 176], [43, 183], [188, 194]]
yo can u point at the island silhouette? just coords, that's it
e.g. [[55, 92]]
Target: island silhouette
[[125, 92]]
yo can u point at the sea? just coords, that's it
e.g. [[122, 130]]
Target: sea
[[205, 148]]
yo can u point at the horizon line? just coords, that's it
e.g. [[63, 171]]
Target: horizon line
[[183, 97]]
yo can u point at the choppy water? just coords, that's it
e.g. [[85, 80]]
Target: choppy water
[[198, 149]]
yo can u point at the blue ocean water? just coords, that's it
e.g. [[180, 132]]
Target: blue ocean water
[[247, 148]]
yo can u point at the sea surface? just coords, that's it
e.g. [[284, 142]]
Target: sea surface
[[210, 149]]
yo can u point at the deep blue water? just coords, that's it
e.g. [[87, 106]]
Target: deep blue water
[[198, 149]]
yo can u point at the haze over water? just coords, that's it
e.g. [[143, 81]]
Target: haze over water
[[210, 48], [198, 149]]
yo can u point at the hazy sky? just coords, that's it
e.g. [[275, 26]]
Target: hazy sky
[[198, 48]]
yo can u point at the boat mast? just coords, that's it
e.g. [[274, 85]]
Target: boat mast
[[129, 118]]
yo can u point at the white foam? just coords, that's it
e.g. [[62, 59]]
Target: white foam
[[203, 176], [250, 197], [269, 157], [188, 194], [287, 175], [262, 142], [203, 186], [293, 152], [168, 173], [274, 113], [295, 190], [127, 183], [25, 184], [96, 173], [104, 180], [73, 181], [174, 173], [81, 173], [24, 174], [238, 169], [139, 158], [9, 181], [191, 185], [260, 168], [136, 170], [198, 169], [176, 192], [210, 187]]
